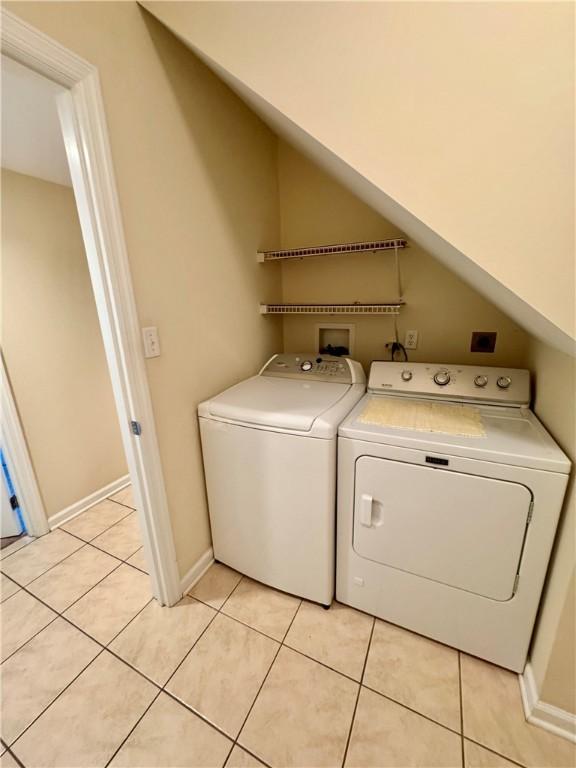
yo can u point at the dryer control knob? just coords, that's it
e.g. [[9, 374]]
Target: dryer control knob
[[306, 365], [481, 381], [504, 382], [442, 378], [406, 375]]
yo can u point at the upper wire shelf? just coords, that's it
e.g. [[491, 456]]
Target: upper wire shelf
[[355, 308], [331, 250]]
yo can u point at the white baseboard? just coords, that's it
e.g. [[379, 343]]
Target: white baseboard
[[197, 571], [544, 715], [59, 518]]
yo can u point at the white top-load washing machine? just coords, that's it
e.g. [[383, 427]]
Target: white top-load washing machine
[[269, 449], [449, 495]]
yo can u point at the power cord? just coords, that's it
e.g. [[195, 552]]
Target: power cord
[[395, 348], [397, 351]]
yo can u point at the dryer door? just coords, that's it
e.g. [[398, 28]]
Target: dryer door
[[462, 530]]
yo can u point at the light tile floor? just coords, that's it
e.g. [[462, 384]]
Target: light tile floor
[[95, 673]]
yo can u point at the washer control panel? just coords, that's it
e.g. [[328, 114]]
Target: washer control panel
[[315, 367], [503, 386]]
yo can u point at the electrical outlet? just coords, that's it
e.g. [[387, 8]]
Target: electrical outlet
[[151, 341], [411, 340]]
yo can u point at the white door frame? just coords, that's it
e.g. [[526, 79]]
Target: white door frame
[[86, 140]]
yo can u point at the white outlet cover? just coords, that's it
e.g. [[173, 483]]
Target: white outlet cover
[[411, 340]]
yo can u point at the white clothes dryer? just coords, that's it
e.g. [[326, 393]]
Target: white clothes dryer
[[449, 495], [269, 449]]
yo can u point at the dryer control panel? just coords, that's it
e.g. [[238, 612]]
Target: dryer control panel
[[315, 367], [470, 383]]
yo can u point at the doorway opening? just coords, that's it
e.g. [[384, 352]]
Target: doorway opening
[[73, 87]]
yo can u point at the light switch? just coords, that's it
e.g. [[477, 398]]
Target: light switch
[[151, 341]]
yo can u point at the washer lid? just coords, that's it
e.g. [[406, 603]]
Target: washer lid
[[281, 403]]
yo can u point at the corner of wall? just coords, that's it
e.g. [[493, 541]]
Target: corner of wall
[[551, 666]]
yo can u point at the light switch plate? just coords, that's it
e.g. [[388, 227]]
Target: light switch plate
[[151, 341]]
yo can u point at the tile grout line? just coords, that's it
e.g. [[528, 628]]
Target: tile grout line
[[106, 552], [50, 567], [15, 757], [218, 611], [491, 749], [410, 709], [61, 528], [61, 613], [467, 738], [106, 530], [55, 699], [62, 616], [75, 517], [194, 712], [31, 636], [107, 645], [358, 693], [188, 654], [86, 544], [109, 498], [131, 731], [164, 689], [280, 646], [78, 538], [27, 544]]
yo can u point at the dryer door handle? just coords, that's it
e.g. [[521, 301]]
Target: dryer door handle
[[366, 502]]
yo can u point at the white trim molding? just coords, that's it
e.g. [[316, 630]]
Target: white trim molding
[[546, 716], [19, 462], [197, 571], [85, 132], [59, 518]]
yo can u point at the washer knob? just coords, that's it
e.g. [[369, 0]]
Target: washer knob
[[504, 382], [481, 381], [406, 375], [442, 378], [306, 365]]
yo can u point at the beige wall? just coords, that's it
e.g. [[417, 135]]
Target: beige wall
[[52, 345], [196, 176], [440, 112], [317, 210], [553, 653]]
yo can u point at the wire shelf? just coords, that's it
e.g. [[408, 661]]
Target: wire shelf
[[331, 250], [356, 308]]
